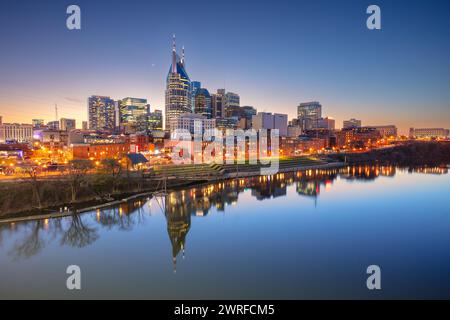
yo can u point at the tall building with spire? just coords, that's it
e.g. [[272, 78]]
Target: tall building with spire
[[178, 88]]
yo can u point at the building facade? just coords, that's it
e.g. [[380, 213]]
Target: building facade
[[425, 133], [192, 123], [326, 123], [218, 104], [385, 131], [178, 89], [268, 121], [15, 132], [101, 113], [352, 123], [155, 120], [308, 114], [133, 114], [67, 124], [202, 103]]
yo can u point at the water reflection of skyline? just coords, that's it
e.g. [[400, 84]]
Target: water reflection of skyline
[[79, 231]]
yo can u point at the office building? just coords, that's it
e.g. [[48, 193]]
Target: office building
[[385, 131], [133, 114], [428, 133], [352, 123], [67, 124], [15, 132], [192, 123], [102, 113], [308, 114], [218, 104], [37, 123], [232, 100], [202, 103], [195, 85], [326, 123], [268, 121], [53, 125], [155, 120], [178, 89]]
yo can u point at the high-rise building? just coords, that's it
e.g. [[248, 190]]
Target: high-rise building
[[218, 104], [232, 100], [67, 124], [247, 113], [308, 114], [101, 113], [178, 89], [195, 85], [155, 120], [133, 114], [202, 103], [352, 123], [268, 121]]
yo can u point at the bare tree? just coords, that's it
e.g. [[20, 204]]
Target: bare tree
[[79, 234], [32, 244], [33, 173], [77, 171], [113, 168]]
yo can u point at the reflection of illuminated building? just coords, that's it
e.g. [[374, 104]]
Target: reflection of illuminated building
[[273, 187], [178, 217], [130, 207], [308, 188], [367, 172]]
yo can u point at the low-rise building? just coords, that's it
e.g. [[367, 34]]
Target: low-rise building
[[100, 151], [428, 133], [15, 132]]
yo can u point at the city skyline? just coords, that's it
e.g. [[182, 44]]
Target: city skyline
[[388, 77]]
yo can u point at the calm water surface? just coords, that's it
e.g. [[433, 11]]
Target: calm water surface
[[301, 235]]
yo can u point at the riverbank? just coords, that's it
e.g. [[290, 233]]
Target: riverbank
[[413, 153], [232, 172]]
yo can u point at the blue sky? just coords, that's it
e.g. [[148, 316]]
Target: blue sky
[[275, 54]]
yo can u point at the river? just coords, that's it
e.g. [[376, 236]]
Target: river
[[290, 236]]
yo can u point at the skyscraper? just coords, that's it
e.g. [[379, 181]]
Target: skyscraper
[[232, 100], [101, 113], [218, 104], [202, 103], [309, 114], [178, 88], [195, 85], [133, 114]]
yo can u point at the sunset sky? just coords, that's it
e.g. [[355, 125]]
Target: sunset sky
[[275, 54]]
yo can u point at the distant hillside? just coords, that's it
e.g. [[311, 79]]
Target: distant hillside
[[413, 153]]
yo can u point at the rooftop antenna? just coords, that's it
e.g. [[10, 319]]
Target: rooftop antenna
[[182, 55], [174, 56], [56, 112]]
